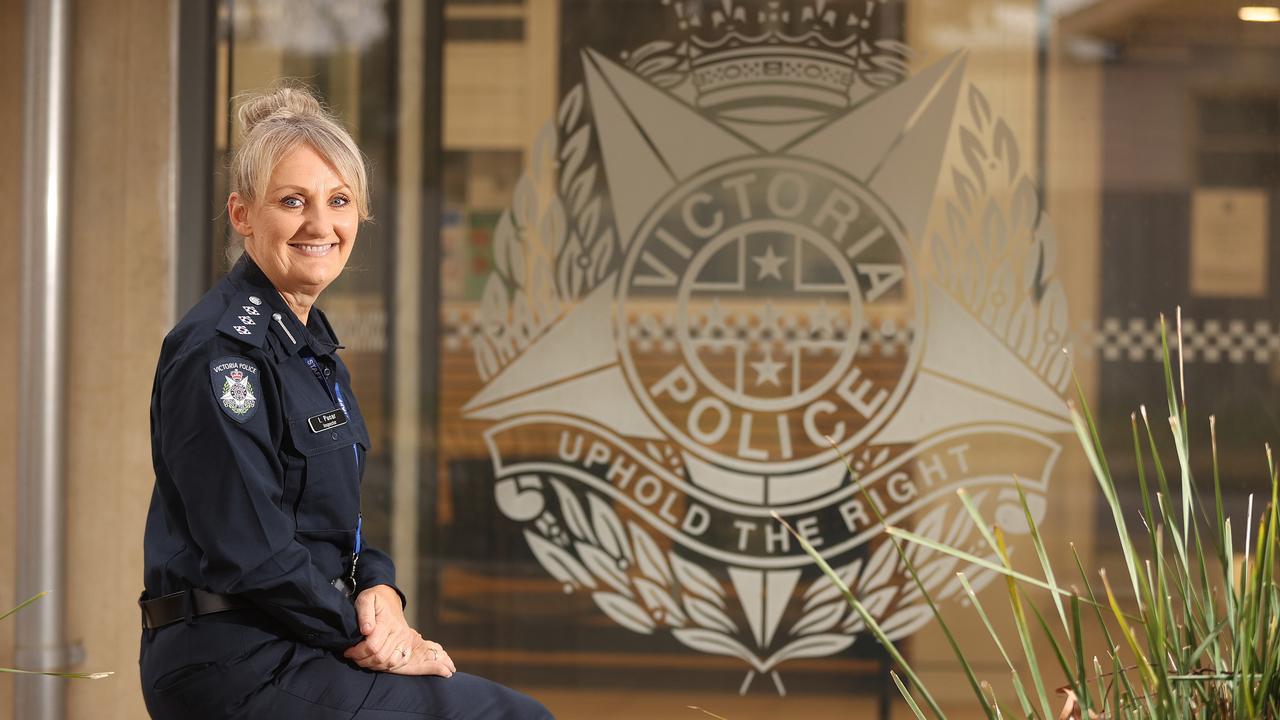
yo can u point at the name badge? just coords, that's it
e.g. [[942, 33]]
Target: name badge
[[327, 420]]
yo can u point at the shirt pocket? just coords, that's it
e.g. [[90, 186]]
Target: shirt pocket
[[329, 489]]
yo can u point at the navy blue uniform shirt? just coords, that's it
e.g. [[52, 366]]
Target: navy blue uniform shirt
[[258, 447]]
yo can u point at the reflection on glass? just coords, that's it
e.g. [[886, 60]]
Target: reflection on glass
[[683, 243], [343, 51]]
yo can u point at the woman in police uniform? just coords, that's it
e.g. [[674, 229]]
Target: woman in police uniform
[[261, 599]]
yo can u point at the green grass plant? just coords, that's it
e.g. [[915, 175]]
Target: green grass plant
[[73, 676], [1197, 636]]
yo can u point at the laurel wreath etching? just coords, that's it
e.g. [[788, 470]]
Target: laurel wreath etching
[[994, 252], [550, 248], [588, 547]]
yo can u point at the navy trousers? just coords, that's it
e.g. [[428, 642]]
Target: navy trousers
[[232, 667]]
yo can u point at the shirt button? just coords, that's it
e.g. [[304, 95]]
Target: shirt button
[[333, 436]]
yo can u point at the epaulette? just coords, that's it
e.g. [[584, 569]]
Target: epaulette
[[246, 320]]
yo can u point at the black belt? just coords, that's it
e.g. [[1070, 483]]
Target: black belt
[[175, 607]]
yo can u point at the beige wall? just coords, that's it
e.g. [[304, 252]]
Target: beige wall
[[11, 14], [121, 307], [121, 232]]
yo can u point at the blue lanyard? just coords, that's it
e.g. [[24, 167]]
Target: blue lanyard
[[337, 393]]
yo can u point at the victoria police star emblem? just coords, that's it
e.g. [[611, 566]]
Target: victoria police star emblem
[[734, 259], [233, 384]]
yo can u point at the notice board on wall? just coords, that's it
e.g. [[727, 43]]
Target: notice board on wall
[[1229, 229]]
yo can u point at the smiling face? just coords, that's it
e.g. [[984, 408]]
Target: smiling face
[[302, 228]]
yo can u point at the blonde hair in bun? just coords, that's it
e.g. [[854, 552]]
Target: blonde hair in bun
[[273, 123]]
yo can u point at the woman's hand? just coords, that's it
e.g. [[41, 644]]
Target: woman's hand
[[425, 658], [421, 657], [390, 645]]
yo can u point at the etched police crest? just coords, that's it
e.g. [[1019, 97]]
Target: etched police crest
[[735, 259], [233, 386]]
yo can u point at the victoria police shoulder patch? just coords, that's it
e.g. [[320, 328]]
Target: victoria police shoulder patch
[[236, 386]]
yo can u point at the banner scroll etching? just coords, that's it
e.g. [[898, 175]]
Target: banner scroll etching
[[705, 273]]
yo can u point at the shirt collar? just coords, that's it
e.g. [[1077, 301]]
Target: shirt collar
[[317, 335]]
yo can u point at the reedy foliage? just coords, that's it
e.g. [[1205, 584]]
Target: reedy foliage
[[73, 676], [1202, 642]]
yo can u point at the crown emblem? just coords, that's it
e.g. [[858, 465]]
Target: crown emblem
[[765, 60], [236, 375]]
